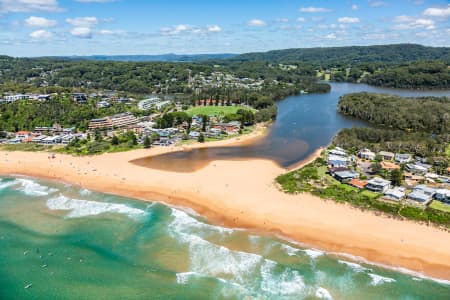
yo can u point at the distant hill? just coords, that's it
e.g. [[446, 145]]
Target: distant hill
[[161, 57], [397, 53]]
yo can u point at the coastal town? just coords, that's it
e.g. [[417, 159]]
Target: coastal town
[[219, 120]]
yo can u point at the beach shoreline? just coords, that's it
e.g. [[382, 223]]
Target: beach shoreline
[[243, 194]]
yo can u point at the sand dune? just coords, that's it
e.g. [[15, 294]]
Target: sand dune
[[243, 194]]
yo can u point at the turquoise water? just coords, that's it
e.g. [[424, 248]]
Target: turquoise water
[[63, 242]]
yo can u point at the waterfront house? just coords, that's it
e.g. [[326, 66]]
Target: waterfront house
[[345, 176], [337, 161], [442, 195], [419, 196], [403, 158], [396, 193], [425, 189], [360, 184], [21, 135], [338, 152], [386, 155], [366, 154], [194, 134], [378, 184]]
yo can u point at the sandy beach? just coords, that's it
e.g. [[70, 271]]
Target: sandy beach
[[242, 194]]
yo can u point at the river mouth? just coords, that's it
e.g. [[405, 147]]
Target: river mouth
[[304, 123], [193, 159]]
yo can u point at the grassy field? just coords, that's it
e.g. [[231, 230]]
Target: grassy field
[[440, 206], [313, 179], [27, 147], [214, 110]]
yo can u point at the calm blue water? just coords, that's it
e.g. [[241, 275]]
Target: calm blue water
[[304, 123], [69, 243]]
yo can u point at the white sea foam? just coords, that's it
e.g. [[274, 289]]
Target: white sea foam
[[288, 283], [85, 192], [354, 266], [377, 279], [32, 188], [323, 293], [184, 223], [313, 253], [291, 251], [6, 184], [183, 278], [83, 208]]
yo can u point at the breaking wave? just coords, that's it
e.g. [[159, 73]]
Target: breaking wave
[[32, 188], [83, 208], [377, 279]]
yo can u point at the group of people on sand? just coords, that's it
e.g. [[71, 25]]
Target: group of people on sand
[[52, 156]]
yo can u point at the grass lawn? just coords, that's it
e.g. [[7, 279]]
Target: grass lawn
[[26, 147], [447, 151], [440, 206], [369, 194], [214, 110]]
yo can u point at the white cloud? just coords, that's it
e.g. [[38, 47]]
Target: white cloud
[[40, 22], [83, 21], [437, 12], [301, 19], [312, 9], [407, 22], [348, 20], [256, 23], [213, 28], [82, 32], [95, 1], [174, 30], [330, 36], [377, 3], [355, 7], [41, 34], [283, 20], [22, 6]]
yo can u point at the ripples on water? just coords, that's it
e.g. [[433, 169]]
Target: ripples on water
[[304, 123], [70, 243]]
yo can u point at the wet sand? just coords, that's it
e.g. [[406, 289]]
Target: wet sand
[[242, 194]]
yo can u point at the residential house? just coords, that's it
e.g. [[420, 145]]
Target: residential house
[[419, 196], [360, 184], [338, 152], [345, 176], [425, 189], [403, 158], [367, 154], [417, 168], [396, 193], [378, 184], [79, 98], [146, 104], [442, 195], [194, 134], [386, 155], [387, 165], [337, 161], [116, 121], [21, 135]]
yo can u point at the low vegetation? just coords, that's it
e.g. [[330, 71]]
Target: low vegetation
[[308, 179]]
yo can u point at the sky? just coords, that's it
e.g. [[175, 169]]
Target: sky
[[127, 27]]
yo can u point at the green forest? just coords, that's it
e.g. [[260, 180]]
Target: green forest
[[420, 126]]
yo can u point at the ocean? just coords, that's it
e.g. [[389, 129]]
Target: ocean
[[58, 241]]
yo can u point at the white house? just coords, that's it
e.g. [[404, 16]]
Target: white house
[[146, 104], [403, 158], [396, 193], [378, 184], [367, 154]]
